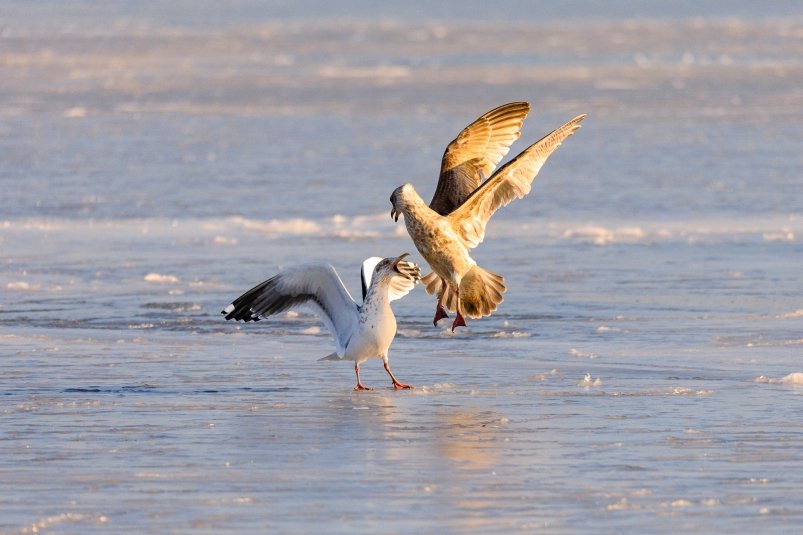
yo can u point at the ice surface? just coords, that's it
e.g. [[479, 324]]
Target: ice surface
[[158, 159]]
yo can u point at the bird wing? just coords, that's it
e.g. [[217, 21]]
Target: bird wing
[[315, 285], [512, 181], [475, 153], [367, 273], [401, 284]]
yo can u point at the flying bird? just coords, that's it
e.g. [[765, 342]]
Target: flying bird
[[454, 222], [361, 332]]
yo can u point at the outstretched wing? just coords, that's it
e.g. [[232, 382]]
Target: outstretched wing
[[315, 285], [475, 153], [512, 181], [401, 284]]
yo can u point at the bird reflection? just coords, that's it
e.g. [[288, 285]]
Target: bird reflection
[[468, 438]]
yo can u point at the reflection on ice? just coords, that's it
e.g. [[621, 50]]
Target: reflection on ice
[[468, 439]]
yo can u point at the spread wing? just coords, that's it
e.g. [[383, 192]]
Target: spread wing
[[367, 273], [512, 181], [475, 153], [315, 285], [401, 284]]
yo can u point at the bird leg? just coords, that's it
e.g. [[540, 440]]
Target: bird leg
[[396, 384], [359, 386], [440, 312], [459, 321]]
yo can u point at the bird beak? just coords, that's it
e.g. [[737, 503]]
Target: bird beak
[[409, 270], [395, 264], [394, 214]]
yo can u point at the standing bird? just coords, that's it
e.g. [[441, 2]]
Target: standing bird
[[361, 332], [454, 222]]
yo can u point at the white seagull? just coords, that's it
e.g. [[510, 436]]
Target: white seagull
[[361, 332]]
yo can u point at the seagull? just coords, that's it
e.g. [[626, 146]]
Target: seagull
[[361, 332], [454, 222]]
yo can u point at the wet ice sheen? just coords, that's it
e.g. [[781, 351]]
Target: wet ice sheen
[[643, 372]]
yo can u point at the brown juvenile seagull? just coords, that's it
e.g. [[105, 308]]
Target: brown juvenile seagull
[[454, 222]]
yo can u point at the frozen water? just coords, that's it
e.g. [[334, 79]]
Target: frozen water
[[643, 374]]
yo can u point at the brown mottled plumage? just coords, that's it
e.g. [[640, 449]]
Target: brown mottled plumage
[[475, 153], [444, 240]]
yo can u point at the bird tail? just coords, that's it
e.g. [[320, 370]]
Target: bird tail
[[330, 356], [480, 292]]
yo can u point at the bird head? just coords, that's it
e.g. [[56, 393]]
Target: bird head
[[393, 267], [398, 200]]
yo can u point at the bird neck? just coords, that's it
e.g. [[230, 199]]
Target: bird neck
[[413, 204], [377, 295]]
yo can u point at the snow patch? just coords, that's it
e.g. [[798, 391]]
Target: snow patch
[[680, 503], [604, 236], [76, 112], [512, 334], [784, 235], [409, 333], [429, 389], [544, 376], [52, 521], [157, 277], [795, 378], [19, 286], [621, 505], [686, 391], [582, 354], [297, 226], [224, 240], [589, 382]]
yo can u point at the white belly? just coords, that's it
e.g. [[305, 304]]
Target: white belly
[[373, 337]]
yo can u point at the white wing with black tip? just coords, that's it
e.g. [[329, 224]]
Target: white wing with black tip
[[317, 286]]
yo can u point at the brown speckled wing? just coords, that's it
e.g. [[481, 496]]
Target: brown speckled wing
[[512, 181], [475, 153]]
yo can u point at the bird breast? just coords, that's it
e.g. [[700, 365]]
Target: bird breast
[[440, 246], [376, 330]]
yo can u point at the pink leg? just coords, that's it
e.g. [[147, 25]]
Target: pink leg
[[459, 321], [440, 312], [396, 384], [360, 386]]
